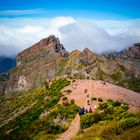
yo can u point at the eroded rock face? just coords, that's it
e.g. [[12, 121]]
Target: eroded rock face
[[42, 49], [132, 53], [48, 59], [41, 61], [22, 83]]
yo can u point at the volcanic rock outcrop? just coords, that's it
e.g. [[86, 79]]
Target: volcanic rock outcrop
[[48, 59], [42, 61]]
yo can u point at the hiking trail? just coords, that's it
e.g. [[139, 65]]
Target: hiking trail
[[73, 129], [96, 89]]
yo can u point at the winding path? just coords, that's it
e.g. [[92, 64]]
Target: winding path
[[73, 129]]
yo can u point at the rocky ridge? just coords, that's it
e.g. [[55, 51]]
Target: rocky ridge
[[48, 59]]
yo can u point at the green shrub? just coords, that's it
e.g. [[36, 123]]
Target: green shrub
[[68, 111], [110, 130], [125, 107], [56, 86], [72, 101], [39, 97], [94, 98], [123, 115], [53, 128], [116, 103], [103, 106], [53, 101], [68, 91], [118, 110], [104, 122], [46, 85], [110, 101], [64, 98], [66, 102], [128, 123], [97, 117], [109, 110], [134, 85], [104, 116], [100, 99], [87, 120], [117, 76]]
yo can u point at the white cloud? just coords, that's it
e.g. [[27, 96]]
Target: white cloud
[[102, 35], [101, 38], [15, 39]]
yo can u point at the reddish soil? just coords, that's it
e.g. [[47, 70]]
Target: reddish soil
[[96, 89], [104, 90]]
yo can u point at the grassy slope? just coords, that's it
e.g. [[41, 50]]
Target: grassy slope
[[26, 108], [115, 122]]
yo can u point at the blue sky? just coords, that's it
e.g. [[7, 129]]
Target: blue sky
[[113, 9], [100, 25]]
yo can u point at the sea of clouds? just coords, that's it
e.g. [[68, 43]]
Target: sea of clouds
[[17, 34]]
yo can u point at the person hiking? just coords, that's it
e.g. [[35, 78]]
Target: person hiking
[[80, 111], [86, 111], [90, 110], [88, 100], [83, 110]]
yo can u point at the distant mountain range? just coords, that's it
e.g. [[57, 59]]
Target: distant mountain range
[[6, 63], [48, 59]]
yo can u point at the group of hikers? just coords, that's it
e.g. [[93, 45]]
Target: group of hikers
[[83, 110]]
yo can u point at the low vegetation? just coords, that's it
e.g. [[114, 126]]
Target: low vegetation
[[134, 85], [100, 99], [110, 121], [37, 115], [94, 98]]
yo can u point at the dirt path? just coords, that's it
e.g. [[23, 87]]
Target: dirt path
[[73, 129], [100, 89], [96, 89]]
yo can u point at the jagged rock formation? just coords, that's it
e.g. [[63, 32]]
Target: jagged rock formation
[[42, 49], [132, 53], [42, 61], [48, 59]]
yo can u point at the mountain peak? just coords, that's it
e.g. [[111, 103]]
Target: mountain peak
[[133, 52], [44, 47], [87, 50], [75, 52], [137, 44]]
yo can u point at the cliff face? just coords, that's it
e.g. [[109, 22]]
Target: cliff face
[[41, 61], [48, 59], [42, 49], [132, 53]]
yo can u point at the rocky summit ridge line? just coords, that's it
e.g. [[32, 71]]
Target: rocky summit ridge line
[[48, 59]]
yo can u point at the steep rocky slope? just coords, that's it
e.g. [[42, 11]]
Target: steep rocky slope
[[48, 59], [42, 61]]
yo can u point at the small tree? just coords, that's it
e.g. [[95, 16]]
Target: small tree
[[72, 101], [100, 99]]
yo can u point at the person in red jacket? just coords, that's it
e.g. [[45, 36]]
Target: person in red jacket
[[90, 110]]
